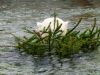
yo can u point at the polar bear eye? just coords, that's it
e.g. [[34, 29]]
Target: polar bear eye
[[61, 30]]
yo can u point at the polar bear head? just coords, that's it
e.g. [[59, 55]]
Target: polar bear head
[[50, 21]]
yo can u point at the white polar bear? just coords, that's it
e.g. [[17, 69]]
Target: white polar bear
[[50, 21]]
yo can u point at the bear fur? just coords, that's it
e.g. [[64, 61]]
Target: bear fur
[[50, 21]]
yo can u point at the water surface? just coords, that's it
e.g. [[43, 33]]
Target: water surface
[[17, 14]]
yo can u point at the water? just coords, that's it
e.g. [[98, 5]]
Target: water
[[17, 14]]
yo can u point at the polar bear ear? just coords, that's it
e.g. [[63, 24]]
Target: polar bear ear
[[39, 24], [66, 23]]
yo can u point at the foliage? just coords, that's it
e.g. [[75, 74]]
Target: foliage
[[62, 46]]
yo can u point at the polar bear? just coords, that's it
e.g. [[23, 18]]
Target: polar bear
[[50, 21]]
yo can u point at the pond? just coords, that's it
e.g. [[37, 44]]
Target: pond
[[18, 14]]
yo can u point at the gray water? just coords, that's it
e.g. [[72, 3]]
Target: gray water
[[18, 14]]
